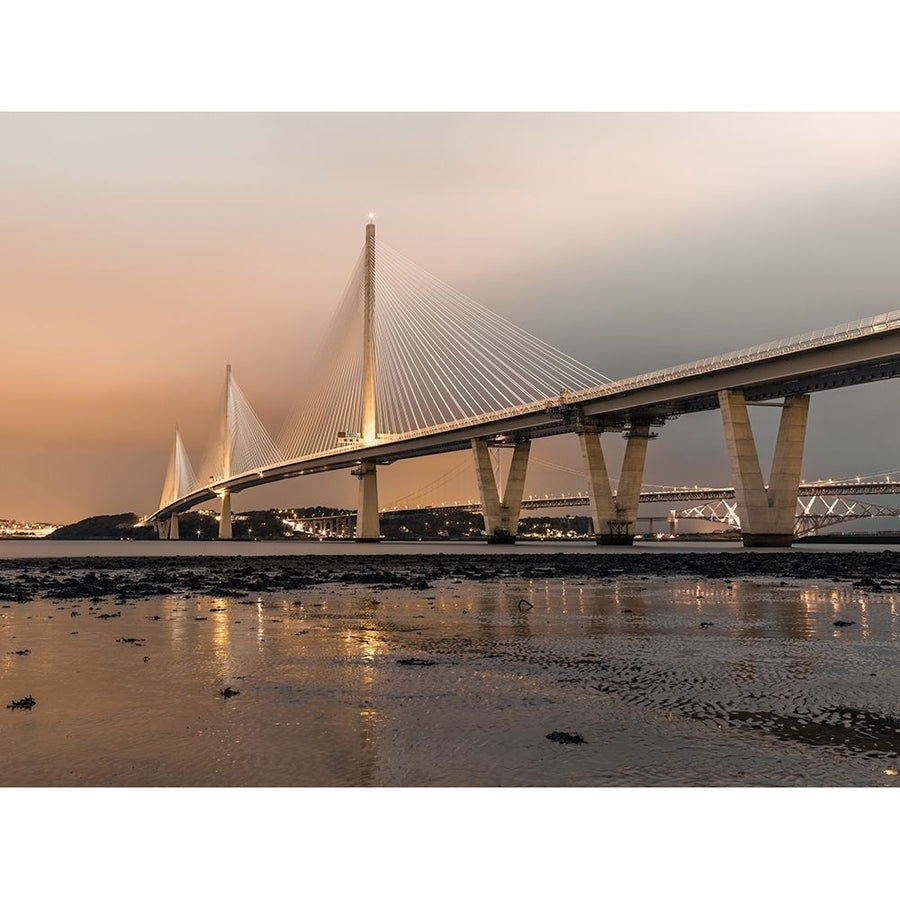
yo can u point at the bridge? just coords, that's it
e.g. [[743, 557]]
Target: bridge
[[411, 367], [819, 505]]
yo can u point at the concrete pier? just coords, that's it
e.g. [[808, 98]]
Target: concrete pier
[[368, 525], [225, 517], [614, 515], [767, 516], [501, 513]]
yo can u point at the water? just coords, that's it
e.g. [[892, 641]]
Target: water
[[43, 549], [670, 682]]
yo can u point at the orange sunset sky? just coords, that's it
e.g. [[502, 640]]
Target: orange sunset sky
[[141, 252]]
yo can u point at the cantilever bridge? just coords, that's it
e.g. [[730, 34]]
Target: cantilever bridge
[[411, 367], [819, 505]]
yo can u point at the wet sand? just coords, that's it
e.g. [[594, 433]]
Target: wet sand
[[671, 669]]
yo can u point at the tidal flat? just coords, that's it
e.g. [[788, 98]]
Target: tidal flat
[[706, 669]]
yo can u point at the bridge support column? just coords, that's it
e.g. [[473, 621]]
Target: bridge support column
[[167, 529], [615, 517], [767, 516], [673, 522], [368, 525], [225, 518], [501, 515]]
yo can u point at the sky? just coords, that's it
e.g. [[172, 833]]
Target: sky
[[141, 252]]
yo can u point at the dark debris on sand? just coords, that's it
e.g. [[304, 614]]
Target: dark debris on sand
[[116, 579], [566, 737], [25, 703]]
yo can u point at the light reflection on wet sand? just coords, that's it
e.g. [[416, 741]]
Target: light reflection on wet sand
[[669, 681]]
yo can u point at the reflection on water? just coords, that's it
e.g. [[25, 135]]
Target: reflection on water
[[669, 681]]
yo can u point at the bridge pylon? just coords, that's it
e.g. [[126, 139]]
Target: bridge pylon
[[368, 525], [179, 480], [614, 515], [228, 427], [766, 515]]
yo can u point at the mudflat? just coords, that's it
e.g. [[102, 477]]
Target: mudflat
[[138, 577], [461, 670]]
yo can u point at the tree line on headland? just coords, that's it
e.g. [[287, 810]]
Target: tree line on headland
[[274, 524]]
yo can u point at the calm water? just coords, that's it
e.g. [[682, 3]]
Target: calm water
[[668, 682], [41, 549]]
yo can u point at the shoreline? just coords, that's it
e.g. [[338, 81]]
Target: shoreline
[[22, 580]]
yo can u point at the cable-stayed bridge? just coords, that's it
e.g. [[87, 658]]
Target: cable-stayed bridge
[[411, 367]]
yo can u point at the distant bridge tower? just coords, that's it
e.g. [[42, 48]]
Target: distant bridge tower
[[180, 480], [368, 527]]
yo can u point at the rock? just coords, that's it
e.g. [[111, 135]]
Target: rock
[[229, 692], [566, 737], [706, 624], [25, 703]]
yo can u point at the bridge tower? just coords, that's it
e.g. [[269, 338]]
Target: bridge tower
[[179, 480], [225, 517], [368, 527], [766, 514]]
